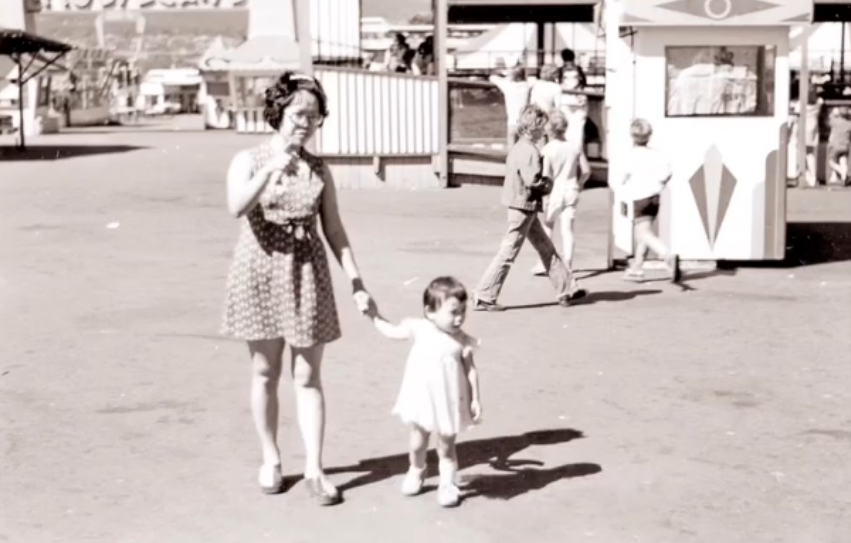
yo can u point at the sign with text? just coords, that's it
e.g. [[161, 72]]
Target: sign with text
[[41, 6]]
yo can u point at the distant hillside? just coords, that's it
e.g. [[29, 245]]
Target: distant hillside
[[171, 39], [180, 38]]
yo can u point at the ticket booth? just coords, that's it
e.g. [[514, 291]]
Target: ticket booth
[[712, 77]]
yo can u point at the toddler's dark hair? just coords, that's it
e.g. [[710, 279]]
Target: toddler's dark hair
[[442, 289]]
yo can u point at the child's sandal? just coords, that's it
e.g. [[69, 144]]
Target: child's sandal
[[413, 482], [448, 495]]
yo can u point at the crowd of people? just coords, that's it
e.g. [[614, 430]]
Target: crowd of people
[[401, 57]]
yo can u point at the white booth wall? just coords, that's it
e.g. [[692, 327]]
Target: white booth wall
[[744, 218]]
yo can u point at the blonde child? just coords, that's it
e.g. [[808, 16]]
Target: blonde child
[[647, 174], [546, 91], [565, 163], [440, 387]]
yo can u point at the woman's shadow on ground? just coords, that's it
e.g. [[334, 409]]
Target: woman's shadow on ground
[[517, 476]]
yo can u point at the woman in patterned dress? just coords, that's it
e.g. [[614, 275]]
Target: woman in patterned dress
[[279, 287]]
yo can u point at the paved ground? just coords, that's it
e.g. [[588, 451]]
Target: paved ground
[[719, 414]]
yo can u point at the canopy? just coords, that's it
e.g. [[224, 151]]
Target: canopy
[[508, 44], [16, 44], [215, 58], [826, 42], [264, 54]]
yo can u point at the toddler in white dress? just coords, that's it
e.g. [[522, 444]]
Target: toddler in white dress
[[440, 388]]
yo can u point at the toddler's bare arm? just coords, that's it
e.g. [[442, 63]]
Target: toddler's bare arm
[[390, 330], [473, 379]]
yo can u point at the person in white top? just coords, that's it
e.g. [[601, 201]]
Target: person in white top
[[812, 111], [567, 166], [440, 387], [515, 89], [546, 91], [573, 103], [647, 173]]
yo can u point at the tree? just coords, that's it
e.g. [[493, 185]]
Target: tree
[[422, 18]]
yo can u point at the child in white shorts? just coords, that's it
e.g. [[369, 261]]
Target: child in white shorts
[[565, 163]]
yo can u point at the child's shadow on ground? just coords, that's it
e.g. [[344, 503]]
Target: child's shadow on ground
[[495, 452]]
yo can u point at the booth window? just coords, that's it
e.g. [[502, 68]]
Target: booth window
[[710, 81]]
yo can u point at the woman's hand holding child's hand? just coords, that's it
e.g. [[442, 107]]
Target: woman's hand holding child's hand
[[363, 301], [372, 310]]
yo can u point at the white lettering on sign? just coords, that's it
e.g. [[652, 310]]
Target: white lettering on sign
[[38, 6]]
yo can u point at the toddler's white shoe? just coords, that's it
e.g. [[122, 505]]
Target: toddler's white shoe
[[413, 482], [448, 495]]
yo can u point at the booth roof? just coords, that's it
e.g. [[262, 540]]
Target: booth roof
[[18, 42]]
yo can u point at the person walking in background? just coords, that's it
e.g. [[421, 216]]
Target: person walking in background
[[398, 55], [574, 103], [647, 174], [811, 112], [515, 90], [424, 58], [838, 144], [523, 191], [566, 165], [546, 91]]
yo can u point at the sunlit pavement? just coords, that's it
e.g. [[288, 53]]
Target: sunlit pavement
[[717, 414]]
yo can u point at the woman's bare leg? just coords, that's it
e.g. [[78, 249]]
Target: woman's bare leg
[[266, 360], [310, 403]]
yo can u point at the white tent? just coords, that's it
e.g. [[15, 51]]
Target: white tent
[[215, 58], [825, 42], [506, 45]]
